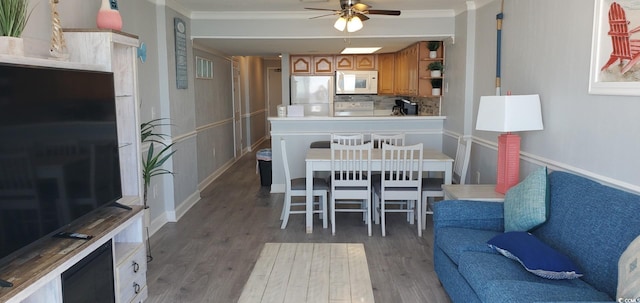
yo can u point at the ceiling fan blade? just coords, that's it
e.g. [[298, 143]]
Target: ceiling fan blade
[[333, 14], [322, 9], [360, 7], [382, 12], [361, 16]]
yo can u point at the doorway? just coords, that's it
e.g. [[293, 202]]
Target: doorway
[[274, 92], [237, 109]]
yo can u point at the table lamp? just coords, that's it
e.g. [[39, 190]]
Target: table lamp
[[507, 114]]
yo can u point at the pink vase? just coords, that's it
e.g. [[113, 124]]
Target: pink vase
[[109, 16]]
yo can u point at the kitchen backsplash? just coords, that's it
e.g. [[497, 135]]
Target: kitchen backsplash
[[427, 106]]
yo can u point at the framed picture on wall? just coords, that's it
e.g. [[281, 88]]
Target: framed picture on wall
[[615, 48]]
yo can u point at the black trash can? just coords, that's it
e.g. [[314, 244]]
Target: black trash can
[[264, 165]]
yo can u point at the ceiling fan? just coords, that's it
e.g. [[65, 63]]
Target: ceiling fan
[[352, 13]]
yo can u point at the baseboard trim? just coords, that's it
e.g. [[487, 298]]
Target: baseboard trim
[[186, 205], [216, 174]]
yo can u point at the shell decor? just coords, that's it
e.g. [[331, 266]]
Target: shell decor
[[58, 47]]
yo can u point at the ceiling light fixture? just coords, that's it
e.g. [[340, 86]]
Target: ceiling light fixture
[[360, 50], [349, 21]]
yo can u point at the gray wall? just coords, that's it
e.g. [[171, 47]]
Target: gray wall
[[214, 116], [546, 50]]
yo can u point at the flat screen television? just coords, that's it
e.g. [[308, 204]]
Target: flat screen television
[[59, 156]]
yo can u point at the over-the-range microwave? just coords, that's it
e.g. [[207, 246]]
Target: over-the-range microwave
[[357, 82]]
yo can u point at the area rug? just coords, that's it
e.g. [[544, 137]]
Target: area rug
[[309, 272]]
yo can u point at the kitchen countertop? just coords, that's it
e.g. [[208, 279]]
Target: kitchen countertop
[[355, 118]]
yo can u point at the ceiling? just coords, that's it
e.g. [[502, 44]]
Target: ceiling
[[332, 42]]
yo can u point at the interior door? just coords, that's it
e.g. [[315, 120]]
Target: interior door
[[237, 109], [274, 98]]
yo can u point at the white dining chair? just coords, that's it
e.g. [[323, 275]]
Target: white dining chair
[[400, 182], [393, 139], [297, 188], [347, 139], [350, 180], [432, 187]]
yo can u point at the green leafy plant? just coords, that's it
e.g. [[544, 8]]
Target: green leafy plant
[[13, 17], [436, 83], [433, 45], [152, 163], [436, 65]]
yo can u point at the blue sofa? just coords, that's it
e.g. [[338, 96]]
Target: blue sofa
[[590, 223]]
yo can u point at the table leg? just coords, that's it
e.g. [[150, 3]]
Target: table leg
[[309, 198], [448, 172]]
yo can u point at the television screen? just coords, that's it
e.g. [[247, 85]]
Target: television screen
[[58, 150]]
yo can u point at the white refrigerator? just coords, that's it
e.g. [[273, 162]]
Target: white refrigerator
[[314, 93]]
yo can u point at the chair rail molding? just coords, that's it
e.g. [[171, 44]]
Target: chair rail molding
[[555, 165]]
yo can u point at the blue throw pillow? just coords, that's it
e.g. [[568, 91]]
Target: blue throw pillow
[[526, 205], [536, 257]]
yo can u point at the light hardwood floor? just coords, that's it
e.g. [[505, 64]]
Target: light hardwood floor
[[209, 254]]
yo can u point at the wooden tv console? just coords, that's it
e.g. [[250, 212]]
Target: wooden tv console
[[35, 274]]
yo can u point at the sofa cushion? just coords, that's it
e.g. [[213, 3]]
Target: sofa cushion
[[536, 257], [495, 278], [591, 223], [454, 241], [526, 204]]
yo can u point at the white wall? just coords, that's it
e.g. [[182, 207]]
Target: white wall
[[546, 50]]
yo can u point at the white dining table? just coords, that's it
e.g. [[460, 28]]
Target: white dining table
[[319, 159]]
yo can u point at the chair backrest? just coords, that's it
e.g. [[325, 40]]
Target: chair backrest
[[285, 164], [402, 166], [393, 139], [350, 165], [461, 161], [619, 31], [347, 139]]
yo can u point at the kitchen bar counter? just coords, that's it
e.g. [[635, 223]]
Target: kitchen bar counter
[[299, 132]]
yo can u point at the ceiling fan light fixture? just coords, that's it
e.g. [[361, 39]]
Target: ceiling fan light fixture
[[354, 24], [340, 24]]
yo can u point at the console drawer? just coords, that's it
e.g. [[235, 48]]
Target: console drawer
[[131, 275]]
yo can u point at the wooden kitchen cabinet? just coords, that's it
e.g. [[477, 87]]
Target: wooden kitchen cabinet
[[365, 62], [406, 70], [301, 65], [311, 65], [386, 73], [356, 62], [345, 62], [323, 65], [412, 77]]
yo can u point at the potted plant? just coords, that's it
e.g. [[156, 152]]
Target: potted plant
[[436, 86], [152, 162], [13, 18], [433, 48], [436, 68]]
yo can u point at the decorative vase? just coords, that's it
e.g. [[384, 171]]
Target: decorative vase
[[109, 16], [13, 46], [435, 91], [433, 54], [436, 73]]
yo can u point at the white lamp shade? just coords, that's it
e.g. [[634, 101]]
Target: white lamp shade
[[510, 113], [340, 24], [354, 24]]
